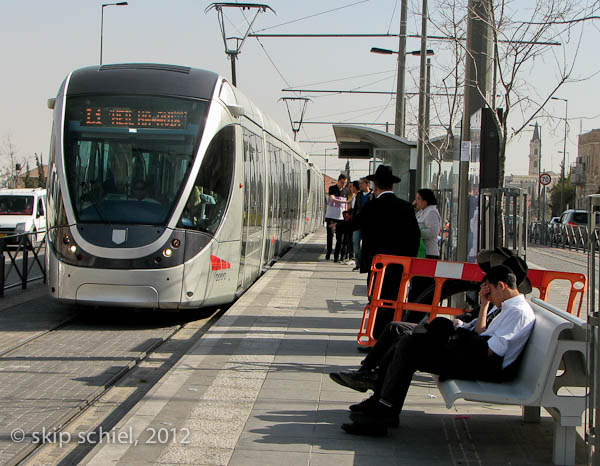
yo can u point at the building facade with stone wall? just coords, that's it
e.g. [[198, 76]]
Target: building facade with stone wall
[[587, 167]]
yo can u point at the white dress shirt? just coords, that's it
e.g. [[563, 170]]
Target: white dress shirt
[[510, 330]]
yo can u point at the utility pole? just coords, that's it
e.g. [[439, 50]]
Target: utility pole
[[477, 79], [233, 52], [422, 85], [563, 171], [401, 78]]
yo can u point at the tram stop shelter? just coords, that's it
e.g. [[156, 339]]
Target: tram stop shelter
[[361, 142]]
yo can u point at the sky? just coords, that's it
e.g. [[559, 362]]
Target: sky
[[43, 41]]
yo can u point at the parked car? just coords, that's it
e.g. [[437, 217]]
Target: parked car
[[577, 218], [22, 211]]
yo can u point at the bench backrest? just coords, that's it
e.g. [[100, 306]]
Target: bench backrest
[[539, 352]]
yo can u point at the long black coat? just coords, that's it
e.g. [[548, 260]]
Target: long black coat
[[388, 226]]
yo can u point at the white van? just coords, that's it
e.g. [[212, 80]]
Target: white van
[[23, 211]]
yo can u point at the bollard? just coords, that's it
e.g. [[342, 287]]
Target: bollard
[[2, 263], [25, 260], [592, 438]]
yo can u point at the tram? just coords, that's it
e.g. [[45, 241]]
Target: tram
[[168, 189]]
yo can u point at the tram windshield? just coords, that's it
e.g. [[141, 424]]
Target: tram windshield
[[127, 158]]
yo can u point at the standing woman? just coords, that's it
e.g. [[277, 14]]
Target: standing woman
[[430, 221]]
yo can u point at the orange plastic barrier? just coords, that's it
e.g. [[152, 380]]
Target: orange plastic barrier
[[441, 272]]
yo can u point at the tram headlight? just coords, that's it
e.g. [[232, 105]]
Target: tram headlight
[[176, 243], [73, 248], [168, 252], [20, 228], [66, 238]]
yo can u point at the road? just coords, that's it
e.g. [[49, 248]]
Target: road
[[564, 260], [56, 360]]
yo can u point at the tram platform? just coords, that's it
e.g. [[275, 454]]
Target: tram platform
[[255, 390]]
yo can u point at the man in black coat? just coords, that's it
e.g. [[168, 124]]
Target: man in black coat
[[388, 226]]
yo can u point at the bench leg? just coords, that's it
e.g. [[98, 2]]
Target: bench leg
[[565, 438], [531, 413]]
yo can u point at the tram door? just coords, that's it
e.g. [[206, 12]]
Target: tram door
[[252, 230], [286, 201], [272, 204]]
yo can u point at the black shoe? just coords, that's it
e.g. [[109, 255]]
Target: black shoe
[[370, 430], [327, 256], [337, 378], [377, 414], [363, 349], [356, 268], [335, 259], [360, 381], [364, 406]]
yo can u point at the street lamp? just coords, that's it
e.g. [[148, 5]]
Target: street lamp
[[562, 192], [423, 112], [102, 22], [539, 191], [391, 52], [325, 158], [400, 94]]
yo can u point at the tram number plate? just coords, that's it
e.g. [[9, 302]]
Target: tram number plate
[[220, 276]]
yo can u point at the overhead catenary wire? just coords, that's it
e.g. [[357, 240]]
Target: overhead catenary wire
[[347, 78], [266, 53], [314, 15]]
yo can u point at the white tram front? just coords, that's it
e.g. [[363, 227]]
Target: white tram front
[[168, 189]]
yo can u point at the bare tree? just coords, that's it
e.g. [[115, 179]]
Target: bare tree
[[521, 40], [41, 178], [544, 33], [447, 106], [10, 173]]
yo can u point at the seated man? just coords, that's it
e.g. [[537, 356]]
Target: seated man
[[380, 355], [485, 353]]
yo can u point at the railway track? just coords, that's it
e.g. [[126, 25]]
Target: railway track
[[64, 369]]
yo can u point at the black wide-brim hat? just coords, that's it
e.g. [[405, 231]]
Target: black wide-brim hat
[[384, 175], [488, 258]]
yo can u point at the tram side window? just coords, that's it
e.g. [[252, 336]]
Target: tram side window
[[206, 205]]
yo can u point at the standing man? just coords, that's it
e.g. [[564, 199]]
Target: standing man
[[336, 204], [388, 226], [364, 195]]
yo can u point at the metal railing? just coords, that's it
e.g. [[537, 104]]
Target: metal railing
[[573, 237], [515, 217], [26, 263], [444, 206]]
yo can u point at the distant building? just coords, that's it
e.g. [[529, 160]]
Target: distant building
[[33, 176], [535, 151], [586, 177], [329, 182], [530, 183]]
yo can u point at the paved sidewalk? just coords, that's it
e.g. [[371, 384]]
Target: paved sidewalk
[[255, 391]]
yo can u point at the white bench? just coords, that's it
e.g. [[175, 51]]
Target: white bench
[[554, 357]]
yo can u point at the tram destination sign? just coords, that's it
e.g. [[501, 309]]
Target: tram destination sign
[[115, 117]]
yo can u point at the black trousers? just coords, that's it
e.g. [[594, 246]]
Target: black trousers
[[381, 354], [439, 351], [339, 235]]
